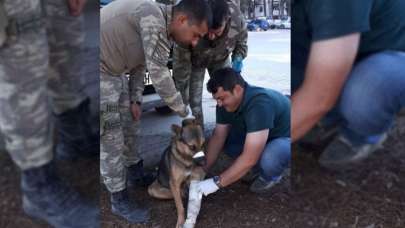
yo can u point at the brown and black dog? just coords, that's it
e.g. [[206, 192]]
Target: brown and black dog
[[180, 163]]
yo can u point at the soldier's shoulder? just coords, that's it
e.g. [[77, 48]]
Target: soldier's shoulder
[[149, 8], [233, 7], [237, 18]]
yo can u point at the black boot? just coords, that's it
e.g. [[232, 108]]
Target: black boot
[[46, 197], [136, 176], [131, 211], [75, 138]]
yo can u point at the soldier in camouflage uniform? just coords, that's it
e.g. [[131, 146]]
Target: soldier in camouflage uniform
[[227, 36], [135, 35], [35, 63]]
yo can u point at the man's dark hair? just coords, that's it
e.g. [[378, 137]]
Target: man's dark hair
[[226, 78], [197, 11], [220, 12]]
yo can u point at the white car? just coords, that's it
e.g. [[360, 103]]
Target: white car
[[277, 23], [285, 24], [271, 23]]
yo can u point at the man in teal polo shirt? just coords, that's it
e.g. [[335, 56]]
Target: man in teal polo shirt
[[348, 70], [253, 126]]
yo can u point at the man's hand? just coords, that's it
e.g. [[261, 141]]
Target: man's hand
[[76, 7], [136, 111], [184, 112], [207, 186]]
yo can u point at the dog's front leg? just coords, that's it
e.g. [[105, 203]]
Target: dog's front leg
[[175, 187]]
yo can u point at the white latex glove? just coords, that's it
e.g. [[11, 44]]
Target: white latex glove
[[207, 186]]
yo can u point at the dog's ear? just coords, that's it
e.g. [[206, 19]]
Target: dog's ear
[[176, 130]]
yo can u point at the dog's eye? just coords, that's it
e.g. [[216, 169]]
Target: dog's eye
[[192, 147]]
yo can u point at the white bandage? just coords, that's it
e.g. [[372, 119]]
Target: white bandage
[[194, 205], [199, 154]]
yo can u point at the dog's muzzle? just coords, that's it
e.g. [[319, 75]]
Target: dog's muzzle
[[199, 158]]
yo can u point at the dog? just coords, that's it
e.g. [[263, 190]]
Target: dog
[[181, 163]]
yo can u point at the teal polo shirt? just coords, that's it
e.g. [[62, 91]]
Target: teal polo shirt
[[260, 109], [380, 22]]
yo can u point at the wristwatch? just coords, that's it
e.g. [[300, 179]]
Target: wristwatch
[[217, 181]]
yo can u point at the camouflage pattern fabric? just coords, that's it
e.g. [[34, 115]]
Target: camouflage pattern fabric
[[138, 39], [65, 37], [119, 146], [25, 114], [145, 32], [189, 64], [196, 85]]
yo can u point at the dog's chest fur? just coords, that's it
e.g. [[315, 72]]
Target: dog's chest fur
[[172, 163]]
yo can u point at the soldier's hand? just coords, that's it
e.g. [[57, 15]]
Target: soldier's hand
[[76, 7], [136, 111], [237, 64], [183, 112]]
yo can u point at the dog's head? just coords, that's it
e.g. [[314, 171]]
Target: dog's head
[[189, 139]]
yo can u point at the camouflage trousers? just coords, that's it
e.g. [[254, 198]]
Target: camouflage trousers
[[39, 71], [119, 133], [191, 86]]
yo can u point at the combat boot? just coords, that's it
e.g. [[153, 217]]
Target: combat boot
[[131, 211], [75, 137], [46, 197], [136, 176]]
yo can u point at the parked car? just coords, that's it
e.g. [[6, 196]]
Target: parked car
[[286, 23], [270, 20], [277, 23], [258, 24], [251, 26]]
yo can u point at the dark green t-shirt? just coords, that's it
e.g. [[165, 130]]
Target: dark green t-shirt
[[380, 22], [260, 109]]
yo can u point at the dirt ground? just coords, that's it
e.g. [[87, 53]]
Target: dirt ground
[[230, 207], [370, 195]]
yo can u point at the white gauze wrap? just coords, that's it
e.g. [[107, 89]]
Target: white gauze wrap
[[194, 205]]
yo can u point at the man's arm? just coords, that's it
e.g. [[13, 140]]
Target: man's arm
[[215, 144], [330, 62], [254, 146], [241, 47], [182, 70], [157, 48]]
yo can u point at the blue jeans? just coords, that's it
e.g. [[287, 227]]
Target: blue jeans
[[275, 157], [371, 97]]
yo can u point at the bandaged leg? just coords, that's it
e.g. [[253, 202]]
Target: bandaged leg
[[194, 205]]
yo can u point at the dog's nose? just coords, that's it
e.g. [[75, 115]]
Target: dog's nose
[[199, 158]]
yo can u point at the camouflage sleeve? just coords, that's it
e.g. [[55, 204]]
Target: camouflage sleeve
[[136, 85], [157, 49], [241, 47], [182, 70]]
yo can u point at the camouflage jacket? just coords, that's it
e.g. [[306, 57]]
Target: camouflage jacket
[[134, 37], [232, 42]]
